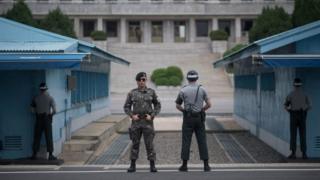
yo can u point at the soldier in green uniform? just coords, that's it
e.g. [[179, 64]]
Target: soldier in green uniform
[[193, 96], [142, 105]]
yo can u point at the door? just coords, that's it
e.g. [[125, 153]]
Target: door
[[16, 121]]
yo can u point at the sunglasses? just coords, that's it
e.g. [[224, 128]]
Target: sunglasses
[[143, 79]]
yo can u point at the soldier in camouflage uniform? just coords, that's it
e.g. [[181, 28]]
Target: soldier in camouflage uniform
[[142, 114]]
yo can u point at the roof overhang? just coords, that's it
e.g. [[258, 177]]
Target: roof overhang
[[295, 60], [10, 61]]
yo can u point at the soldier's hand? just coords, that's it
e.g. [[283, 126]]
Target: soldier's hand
[[148, 117], [135, 117]]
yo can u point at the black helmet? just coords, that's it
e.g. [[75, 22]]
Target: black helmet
[[192, 75], [43, 86], [140, 75], [297, 82]]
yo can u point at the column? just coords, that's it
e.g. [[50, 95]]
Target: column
[[100, 24], [123, 30], [238, 30], [146, 29], [76, 26], [215, 24], [192, 29]]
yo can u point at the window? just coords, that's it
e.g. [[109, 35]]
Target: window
[[268, 82], [88, 26], [180, 31], [112, 28], [202, 28], [245, 82], [89, 86], [135, 32], [157, 31]]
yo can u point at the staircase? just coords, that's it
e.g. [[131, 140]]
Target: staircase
[[187, 56]]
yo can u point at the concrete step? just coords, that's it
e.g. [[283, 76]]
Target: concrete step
[[85, 141]]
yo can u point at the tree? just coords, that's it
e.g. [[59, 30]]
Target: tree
[[305, 11], [58, 23], [271, 21], [20, 12]]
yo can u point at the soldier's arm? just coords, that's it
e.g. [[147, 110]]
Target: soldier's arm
[[33, 105], [179, 101], [287, 103], [308, 103], [128, 104], [206, 100], [156, 104], [53, 106]]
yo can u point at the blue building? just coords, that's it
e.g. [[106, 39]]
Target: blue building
[[76, 72], [263, 77]]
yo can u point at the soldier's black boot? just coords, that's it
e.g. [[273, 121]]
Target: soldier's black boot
[[206, 166], [51, 157], [292, 155], [184, 166], [132, 167], [152, 166], [304, 155]]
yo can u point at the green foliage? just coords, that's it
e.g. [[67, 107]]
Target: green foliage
[[58, 23], [271, 21], [171, 76], [162, 81], [174, 71], [20, 12], [234, 49], [305, 11], [98, 35], [174, 81], [219, 35], [159, 73]]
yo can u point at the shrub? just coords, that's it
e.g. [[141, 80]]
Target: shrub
[[272, 21], [20, 12], [162, 81], [158, 73], [234, 49], [218, 35], [174, 81], [59, 23], [98, 35], [175, 71], [171, 76]]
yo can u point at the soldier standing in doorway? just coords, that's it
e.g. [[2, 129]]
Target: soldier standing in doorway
[[44, 107], [193, 96], [297, 104], [139, 107]]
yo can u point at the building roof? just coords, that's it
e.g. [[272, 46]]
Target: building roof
[[260, 47], [19, 38]]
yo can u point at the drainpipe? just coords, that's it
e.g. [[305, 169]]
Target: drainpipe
[[258, 122], [67, 123]]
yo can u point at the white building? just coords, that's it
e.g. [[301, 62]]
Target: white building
[[158, 21]]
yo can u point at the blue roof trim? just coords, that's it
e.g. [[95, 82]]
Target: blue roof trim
[[271, 43], [86, 47], [303, 60], [40, 61], [30, 39]]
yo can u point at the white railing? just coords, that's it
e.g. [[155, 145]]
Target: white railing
[[149, 1]]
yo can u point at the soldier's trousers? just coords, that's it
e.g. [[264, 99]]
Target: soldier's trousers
[[298, 120], [145, 128], [190, 125], [43, 124]]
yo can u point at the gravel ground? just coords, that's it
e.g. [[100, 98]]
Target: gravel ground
[[168, 148], [260, 151]]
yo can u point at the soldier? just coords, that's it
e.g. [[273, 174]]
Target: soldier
[[142, 115], [193, 96], [44, 107], [297, 104]]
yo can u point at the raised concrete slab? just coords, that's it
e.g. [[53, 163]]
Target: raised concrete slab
[[92, 131]]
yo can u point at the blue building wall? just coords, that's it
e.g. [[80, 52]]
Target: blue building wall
[[271, 123], [16, 120]]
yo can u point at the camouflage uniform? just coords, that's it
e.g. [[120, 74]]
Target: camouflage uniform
[[141, 101]]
